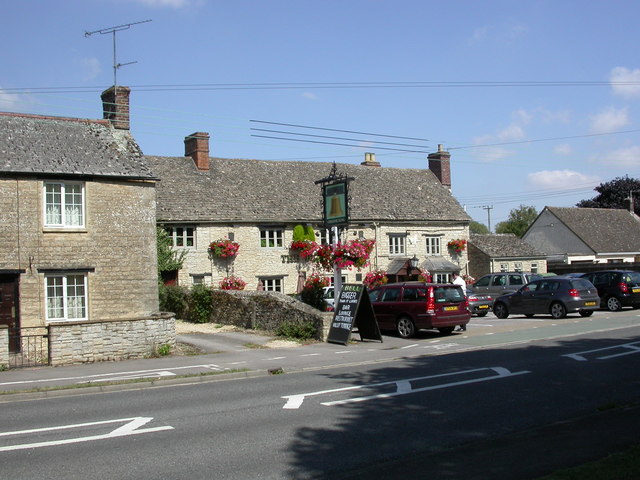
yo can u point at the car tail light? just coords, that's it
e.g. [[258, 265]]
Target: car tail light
[[474, 299], [466, 302], [623, 287], [431, 302], [574, 293]]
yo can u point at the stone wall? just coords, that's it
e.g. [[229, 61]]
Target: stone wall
[[4, 347], [83, 342], [265, 311]]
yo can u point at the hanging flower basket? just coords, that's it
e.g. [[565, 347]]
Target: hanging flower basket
[[232, 283], [458, 245], [304, 248], [354, 253], [375, 279], [224, 248]]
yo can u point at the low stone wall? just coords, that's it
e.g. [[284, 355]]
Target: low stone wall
[[4, 347], [265, 311], [82, 342]]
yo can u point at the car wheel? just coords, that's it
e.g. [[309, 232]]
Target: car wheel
[[405, 327], [482, 314], [446, 330], [613, 304], [585, 313], [500, 310], [528, 315], [558, 310]]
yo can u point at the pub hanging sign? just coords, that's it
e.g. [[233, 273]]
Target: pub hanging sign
[[336, 204]]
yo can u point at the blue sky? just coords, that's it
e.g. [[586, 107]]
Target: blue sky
[[537, 101]]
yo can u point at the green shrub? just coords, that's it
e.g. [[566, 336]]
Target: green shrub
[[173, 299], [199, 304], [297, 331]]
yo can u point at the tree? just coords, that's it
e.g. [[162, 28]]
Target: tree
[[519, 220], [169, 260], [614, 194], [477, 227]]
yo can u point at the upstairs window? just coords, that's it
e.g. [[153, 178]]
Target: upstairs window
[[271, 238], [182, 236], [63, 204], [397, 244], [433, 245]]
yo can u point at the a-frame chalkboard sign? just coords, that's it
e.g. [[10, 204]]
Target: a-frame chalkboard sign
[[353, 308]]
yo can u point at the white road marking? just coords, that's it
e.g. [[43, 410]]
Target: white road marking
[[276, 358], [410, 346], [403, 387], [310, 355], [627, 349], [343, 351], [132, 377], [132, 427], [111, 374]]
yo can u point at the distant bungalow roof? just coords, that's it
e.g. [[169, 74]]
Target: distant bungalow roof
[[237, 190], [504, 246]]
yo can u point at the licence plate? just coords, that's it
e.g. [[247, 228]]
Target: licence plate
[[450, 308], [483, 306], [635, 290], [589, 304]]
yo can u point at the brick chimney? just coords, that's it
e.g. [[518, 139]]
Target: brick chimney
[[196, 146], [115, 106], [370, 160], [440, 165]]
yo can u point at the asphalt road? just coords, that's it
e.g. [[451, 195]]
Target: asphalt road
[[511, 411]]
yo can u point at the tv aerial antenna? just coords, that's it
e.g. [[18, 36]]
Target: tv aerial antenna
[[113, 31]]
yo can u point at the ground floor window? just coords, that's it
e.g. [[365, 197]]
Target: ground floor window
[[272, 284], [441, 278], [66, 297]]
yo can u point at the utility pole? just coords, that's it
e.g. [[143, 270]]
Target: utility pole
[[488, 208], [113, 31]]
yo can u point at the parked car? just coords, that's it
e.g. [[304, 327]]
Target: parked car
[[617, 288], [496, 284], [555, 296], [480, 303], [329, 300], [411, 306]]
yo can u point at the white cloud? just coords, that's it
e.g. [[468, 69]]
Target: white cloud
[[310, 96], [91, 68], [610, 120], [510, 133], [623, 157], [564, 149], [625, 82], [12, 102], [561, 179], [522, 116]]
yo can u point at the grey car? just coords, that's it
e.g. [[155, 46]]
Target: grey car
[[496, 284], [555, 296]]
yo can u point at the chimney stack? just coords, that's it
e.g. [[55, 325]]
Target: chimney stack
[[115, 106], [370, 160], [196, 146], [440, 165]]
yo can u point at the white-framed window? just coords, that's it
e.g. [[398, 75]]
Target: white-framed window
[[64, 204], [534, 268], [441, 278], [504, 267], [272, 284], [397, 244], [433, 245], [66, 297], [517, 267], [271, 238], [182, 236]]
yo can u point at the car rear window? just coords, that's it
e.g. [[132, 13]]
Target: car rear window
[[581, 284], [448, 294], [632, 277]]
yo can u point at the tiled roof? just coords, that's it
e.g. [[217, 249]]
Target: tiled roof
[[253, 191], [503, 246], [604, 230], [32, 144]]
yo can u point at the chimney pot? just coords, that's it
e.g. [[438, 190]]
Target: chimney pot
[[440, 165], [370, 160]]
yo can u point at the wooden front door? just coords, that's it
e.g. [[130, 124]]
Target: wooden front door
[[9, 309]]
